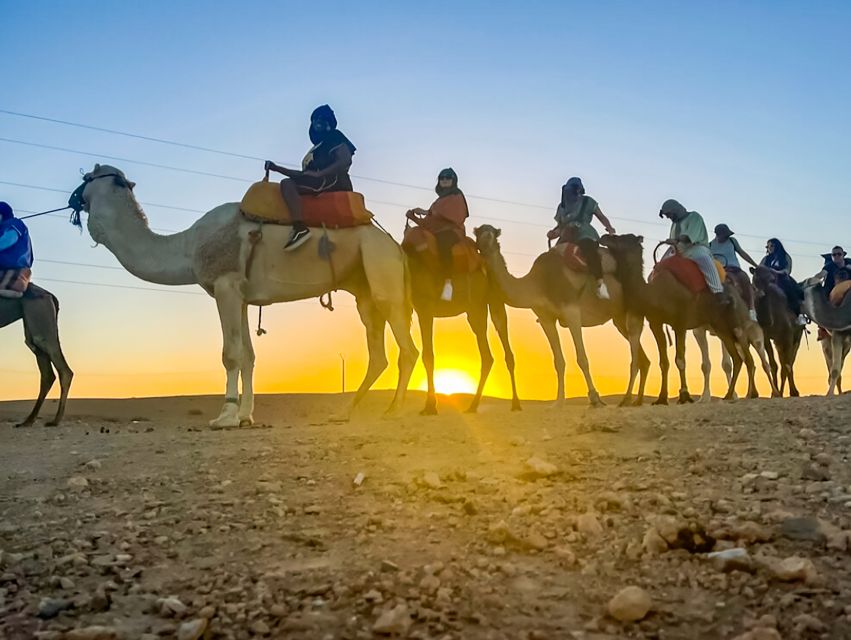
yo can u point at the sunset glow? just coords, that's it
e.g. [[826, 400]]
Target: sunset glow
[[449, 381]]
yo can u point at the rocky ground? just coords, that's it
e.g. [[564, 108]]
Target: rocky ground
[[720, 521]]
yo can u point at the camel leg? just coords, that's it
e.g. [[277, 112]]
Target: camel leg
[[837, 346], [745, 350], [477, 318], [680, 361], [374, 323], [427, 336], [41, 330], [246, 373], [772, 363], [664, 364], [500, 322], [633, 359], [636, 326], [574, 325], [550, 328], [706, 363], [230, 305], [732, 348], [47, 378], [758, 343]]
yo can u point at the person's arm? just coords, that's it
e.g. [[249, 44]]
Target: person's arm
[[743, 253], [341, 164], [290, 173], [598, 213], [816, 279], [8, 238]]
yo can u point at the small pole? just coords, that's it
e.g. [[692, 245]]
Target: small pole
[[343, 371]]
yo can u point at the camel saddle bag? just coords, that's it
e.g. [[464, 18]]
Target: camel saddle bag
[[686, 272], [419, 241], [263, 202], [14, 282]]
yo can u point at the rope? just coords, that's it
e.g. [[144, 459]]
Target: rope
[[43, 213]]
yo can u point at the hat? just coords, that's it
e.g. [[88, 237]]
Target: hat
[[449, 172], [5, 211], [672, 206], [723, 230], [575, 183], [324, 112]]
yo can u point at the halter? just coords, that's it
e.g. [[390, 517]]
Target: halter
[[77, 202]]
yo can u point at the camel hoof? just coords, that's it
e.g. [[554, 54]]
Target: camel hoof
[[472, 409], [685, 398], [638, 403], [246, 422], [339, 417], [777, 394], [429, 411], [24, 424], [515, 406], [704, 399], [52, 423], [661, 402], [795, 394], [753, 395]]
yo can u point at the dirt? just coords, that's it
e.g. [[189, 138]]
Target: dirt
[[133, 520]]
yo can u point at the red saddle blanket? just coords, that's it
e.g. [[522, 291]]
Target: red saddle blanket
[[572, 256], [15, 280], [420, 242], [334, 209], [685, 271]]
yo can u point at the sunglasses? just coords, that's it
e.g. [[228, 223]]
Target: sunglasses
[[838, 255]]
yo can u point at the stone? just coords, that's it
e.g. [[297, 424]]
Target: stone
[[430, 584], [536, 541], [78, 483], [737, 559], [760, 633], [539, 468], [565, 555], [750, 532], [653, 542], [359, 479], [432, 480], [278, 610], [389, 566], [395, 621], [630, 604], [93, 465], [770, 475], [96, 632], [823, 459], [192, 630], [805, 622], [51, 607], [207, 612], [260, 628], [668, 527], [588, 525], [803, 528], [795, 569], [172, 606]]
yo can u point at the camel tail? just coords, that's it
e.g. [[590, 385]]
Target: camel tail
[[409, 301]]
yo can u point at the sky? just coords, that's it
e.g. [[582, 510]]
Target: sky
[[739, 110]]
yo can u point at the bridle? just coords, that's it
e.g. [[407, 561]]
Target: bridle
[[77, 202]]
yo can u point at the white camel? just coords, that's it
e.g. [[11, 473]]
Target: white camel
[[240, 263]]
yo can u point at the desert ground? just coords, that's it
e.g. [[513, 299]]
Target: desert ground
[[133, 520]]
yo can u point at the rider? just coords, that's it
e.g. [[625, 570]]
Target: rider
[[16, 252], [445, 219], [325, 168], [780, 262], [725, 247], [841, 287], [688, 236], [833, 262], [573, 218]]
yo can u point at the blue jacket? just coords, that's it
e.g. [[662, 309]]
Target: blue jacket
[[16, 251]]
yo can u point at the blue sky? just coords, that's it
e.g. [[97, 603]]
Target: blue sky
[[740, 110]]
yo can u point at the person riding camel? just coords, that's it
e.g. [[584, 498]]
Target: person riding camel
[[16, 253], [445, 220], [573, 219], [689, 238], [726, 249], [325, 168], [780, 262], [841, 287], [833, 263]]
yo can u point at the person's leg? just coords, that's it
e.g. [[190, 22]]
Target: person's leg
[[589, 249], [707, 267], [445, 241], [292, 198]]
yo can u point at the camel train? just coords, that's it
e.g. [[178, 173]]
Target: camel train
[[234, 252]]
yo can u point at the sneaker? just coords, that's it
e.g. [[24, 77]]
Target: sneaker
[[802, 320], [602, 291], [752, 315], [298, 237], [446, 294]]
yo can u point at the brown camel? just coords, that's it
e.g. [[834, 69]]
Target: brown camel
[[474, 295], [39, 309], [559, 295], [837, 322], [665, 301], [780, 326]]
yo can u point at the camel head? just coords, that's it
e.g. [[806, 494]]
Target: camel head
[[103, 184], [763, 278], [487, 239], [623, 244]]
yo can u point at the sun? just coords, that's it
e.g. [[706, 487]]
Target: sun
[[449, 381]]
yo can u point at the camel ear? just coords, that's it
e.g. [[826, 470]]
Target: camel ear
[[641, 238], [131, 184], [97, 166], [498, 232], [475, 231], [753, 270]]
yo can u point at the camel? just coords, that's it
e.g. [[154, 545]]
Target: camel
[[665, 300], [559, 295], [780, 326], [39, 309], [474, 295], [240, 263], [837, 322]]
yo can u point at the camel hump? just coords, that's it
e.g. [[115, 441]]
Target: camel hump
[[263, 202], [422, 244]]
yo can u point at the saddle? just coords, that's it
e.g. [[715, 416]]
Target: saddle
[[14, 282], [419, 241], [263, 202], [839, 292], [572, 256], [686, 272]]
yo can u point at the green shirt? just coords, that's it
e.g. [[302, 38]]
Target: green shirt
[[579, 215], [691, 225]]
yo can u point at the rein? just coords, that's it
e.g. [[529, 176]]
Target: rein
[[44, 213]]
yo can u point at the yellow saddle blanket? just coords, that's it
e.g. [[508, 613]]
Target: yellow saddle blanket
[[334, 209]]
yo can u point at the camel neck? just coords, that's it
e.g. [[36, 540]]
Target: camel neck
[[123, 229], [518, 292]]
